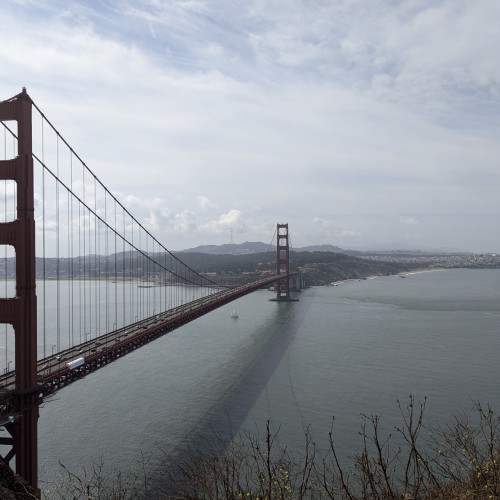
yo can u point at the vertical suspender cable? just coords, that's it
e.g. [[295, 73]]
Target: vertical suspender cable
[[91, 305], [80, 318], [84, 260], [148, 277], [71, 256], [97, 278], [116, 274], [137, 278], [124, 321], [132, 277], [185, 284], [106, 265], [156, 307], [44, 285], [161, 277], [6, 329], [14, 203], [140, 291], [58, 284], [68, 271]]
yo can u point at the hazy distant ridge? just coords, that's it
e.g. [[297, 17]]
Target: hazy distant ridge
[[249, 247]]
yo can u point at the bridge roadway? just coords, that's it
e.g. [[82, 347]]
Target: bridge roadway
[[54, 372]]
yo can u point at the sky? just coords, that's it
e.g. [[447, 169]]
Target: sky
[[366, 124]]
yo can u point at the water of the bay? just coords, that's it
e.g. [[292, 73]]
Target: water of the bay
[[339, 352]]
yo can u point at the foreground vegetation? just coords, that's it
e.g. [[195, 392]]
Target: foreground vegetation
[[458, 461]]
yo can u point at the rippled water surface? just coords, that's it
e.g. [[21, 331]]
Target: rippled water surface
[[340, 351]]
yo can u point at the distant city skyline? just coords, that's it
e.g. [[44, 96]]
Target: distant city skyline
[[364, 125]]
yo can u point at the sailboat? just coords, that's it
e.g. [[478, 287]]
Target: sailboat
[[234, 314]]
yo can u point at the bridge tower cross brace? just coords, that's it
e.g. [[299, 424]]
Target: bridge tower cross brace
[[20, 311]]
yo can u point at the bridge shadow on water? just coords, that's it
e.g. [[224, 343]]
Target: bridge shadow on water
[[224, 419]]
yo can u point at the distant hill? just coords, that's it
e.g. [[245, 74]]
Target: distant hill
[[321, 248], [248, 247]]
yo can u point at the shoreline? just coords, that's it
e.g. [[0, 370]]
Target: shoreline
[[402, 274]]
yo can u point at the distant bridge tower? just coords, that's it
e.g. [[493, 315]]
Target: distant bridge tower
[[283, 263], [21, 421]]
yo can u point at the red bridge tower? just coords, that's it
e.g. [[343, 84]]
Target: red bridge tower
[[20, 311], [283, 263]]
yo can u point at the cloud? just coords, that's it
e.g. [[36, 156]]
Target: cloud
[[163, 220], [331, 229], [230, 221], [411, 221], [204, 203], [353, 112]]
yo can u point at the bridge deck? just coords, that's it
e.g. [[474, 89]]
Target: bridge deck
[[54, 372]]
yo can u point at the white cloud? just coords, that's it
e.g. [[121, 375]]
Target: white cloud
[[354, 111], [204, 203], [162, 220], [230, 221]]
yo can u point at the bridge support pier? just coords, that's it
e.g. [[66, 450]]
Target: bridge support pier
[[283, 265], [21, 419]]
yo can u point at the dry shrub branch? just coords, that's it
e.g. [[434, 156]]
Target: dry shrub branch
[[459, 461]]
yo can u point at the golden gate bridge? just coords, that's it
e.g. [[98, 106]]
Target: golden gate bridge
[[84, 282]]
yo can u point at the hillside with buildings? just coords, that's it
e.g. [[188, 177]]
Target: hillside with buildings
[[244, 261]]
